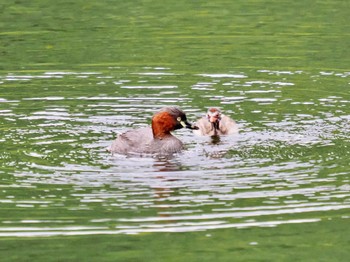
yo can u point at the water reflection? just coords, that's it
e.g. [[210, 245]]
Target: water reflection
[[288, 165], [215, 140], [163, 164]]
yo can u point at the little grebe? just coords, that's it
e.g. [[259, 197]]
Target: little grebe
[[155, 140], [215, 123]]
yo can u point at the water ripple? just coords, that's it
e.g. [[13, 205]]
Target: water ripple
[[289, 164]]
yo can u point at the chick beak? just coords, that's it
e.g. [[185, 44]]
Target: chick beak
[[214, 118], [185, 124]]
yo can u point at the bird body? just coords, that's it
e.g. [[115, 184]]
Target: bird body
[[156, 139]]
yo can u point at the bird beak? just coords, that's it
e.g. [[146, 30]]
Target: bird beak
[[214, 119], [188, 125]]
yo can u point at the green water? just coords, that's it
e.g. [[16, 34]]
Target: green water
[[75, 73]]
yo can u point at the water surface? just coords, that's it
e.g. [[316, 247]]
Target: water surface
[[70, 81]]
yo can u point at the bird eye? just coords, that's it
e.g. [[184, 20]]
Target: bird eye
[[178, 119]]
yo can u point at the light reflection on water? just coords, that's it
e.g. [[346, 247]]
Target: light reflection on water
[[284, 167]]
